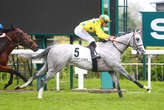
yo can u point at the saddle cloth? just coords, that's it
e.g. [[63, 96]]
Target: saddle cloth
[[82, 54]]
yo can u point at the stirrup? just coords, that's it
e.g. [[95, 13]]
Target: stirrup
[[96, 57]]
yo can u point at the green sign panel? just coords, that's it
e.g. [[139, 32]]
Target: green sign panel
[[153, 28]]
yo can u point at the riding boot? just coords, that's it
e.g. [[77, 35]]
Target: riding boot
[[92, 47]]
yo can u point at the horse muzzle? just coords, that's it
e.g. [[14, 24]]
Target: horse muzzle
[[34, 48], [142, 52], [31, 45]]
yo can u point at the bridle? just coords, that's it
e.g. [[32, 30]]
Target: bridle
[[8, 37], [11, 40], [17, 37], [134, 44]]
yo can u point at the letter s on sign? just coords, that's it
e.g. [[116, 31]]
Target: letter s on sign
[[156, 27]]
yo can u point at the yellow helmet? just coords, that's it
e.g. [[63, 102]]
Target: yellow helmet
[[104, 17]]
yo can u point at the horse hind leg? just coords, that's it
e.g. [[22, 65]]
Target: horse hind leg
[[42, 71], [44, 80], [51, 72], [116, 83]]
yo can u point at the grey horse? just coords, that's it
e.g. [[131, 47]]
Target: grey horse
[[58, 56]]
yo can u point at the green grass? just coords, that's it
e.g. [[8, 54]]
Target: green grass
[[134, 99]]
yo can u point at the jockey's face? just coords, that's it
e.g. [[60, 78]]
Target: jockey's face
[[104, 23]]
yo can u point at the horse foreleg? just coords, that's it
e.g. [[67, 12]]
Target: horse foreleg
[[122, 71], [9, 82], [11, 71], [116, 82], [18, 74]]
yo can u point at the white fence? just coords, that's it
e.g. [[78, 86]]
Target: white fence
[[138, 66], [130, 65]]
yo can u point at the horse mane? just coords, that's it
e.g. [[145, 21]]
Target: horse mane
[[123, 34]]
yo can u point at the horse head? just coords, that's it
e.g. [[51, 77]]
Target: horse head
[[17, 36], [136, 42]]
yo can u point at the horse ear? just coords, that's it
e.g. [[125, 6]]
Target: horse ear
[[13, 27], [139, 31], [133, 30]]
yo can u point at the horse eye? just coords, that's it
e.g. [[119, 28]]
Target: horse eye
[[137, 39]]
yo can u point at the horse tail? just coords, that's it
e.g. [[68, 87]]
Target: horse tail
[[42, 54]]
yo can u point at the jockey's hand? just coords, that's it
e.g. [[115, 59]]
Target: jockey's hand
[[112, 38]]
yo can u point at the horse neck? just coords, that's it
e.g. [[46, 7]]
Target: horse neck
[[123, 42], [11, 46]]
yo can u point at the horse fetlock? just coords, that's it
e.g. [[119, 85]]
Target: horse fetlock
[[18, 87]]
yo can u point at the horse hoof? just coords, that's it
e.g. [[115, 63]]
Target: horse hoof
[[148, 89], [120, 95], [5, 86], [18, 87], [40, 97]]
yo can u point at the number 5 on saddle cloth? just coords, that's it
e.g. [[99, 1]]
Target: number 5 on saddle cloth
[[82, 56]]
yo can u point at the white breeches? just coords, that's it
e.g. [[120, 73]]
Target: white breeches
[[3, 35], [79, 31]]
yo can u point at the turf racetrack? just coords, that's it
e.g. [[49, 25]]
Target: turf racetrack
[[134, 99]]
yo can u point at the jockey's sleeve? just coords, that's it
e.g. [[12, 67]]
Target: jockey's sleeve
[[100, 33]]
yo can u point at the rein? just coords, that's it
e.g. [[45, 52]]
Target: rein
[[5, 35], [117, 47], [122, 43], [8, 37], [128, 44]]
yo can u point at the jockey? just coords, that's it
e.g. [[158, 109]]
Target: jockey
[[1, 27], [2, 34], [93, 26]]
